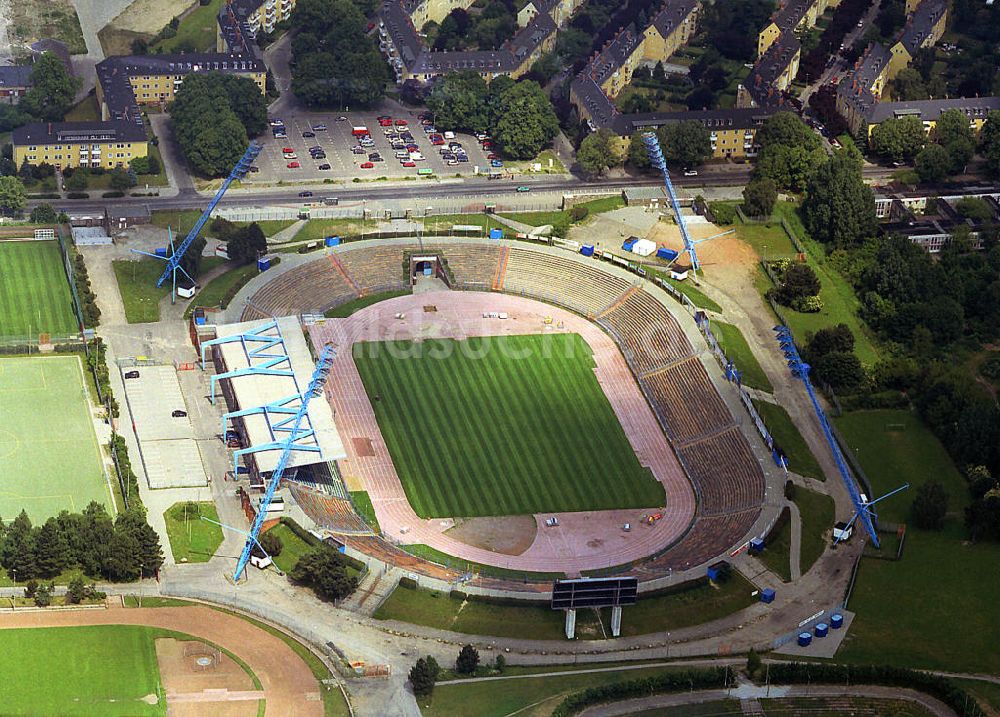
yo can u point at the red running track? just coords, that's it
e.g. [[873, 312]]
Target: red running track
[[582, 541]]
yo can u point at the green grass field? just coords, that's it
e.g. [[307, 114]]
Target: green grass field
[[934, 608], [213, 292], [817, 512], [502, 426], [735, 345], [196, 31], [292, 547], [137, 286], [87, 671], [779, 423], [49, 456], [776, 555], [34, 293], [363, 504], [350, 307], [687, 287], [193, 540]]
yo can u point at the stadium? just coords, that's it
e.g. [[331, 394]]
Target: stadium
[[509, 413]]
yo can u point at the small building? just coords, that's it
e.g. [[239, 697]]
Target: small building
[[645, 196], [841, 531], [15, 81], [120, 218]]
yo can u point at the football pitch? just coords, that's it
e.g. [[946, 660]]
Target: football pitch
[[34, 293], [502, 426], [49, 456], [105, 670]]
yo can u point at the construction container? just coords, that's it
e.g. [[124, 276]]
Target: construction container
[[821, 629], [836, 621], [805, 639], [666, 254], [331, 241], [767, 595], [496, 233], [587, 250], [160, 251], [629, 243], [264, 264]]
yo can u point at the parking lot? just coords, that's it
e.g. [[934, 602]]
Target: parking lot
[[337, 141]]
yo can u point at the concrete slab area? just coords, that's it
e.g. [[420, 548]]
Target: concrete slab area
[[820, 646]]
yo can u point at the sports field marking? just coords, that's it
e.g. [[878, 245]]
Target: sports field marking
[[35, 296], [54, 461], [505, 425]]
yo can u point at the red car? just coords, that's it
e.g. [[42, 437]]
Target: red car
[[385, 122], [401, 123], [367, 165], [409, 164], [487, 145], [437, 139], [287, 149], [293, 165], [491, 156], [412, 148]]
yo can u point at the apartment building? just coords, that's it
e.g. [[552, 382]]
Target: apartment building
[[792, 15], [924, 27], [259, 15], [79, 144], [767, 83]]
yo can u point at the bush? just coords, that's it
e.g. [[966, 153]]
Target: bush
[[272, 544], [323, 569], [422, 678], [578, 213], [77, 195], [724, 213], [468, 660], [929, 507], [695, 679], [113, 194], [808, 304]]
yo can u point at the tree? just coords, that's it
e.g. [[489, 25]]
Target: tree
[[17, 553], [120, 179], [44, 214], [638, 155], [753, 662], [952, 131], [839, 208], [76, 591], [527, 122], [148, 554], [831, 338], [245, 244], [842, 370], [898, 139], [797, 281], [598, 152], [974, 208], [322, 568], [12, 195], [421, 678], [933, 164], [272, 544], [786, 129], [459, 102], [52, 553], [468, 660], [788, 167], [929, 506], [500, 663], [989, 136], [759, 197], [685, 144], [53, 89], [122, 561], [43, 595], [76, 182], [909, 85]]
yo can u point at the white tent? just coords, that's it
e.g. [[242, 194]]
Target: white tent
[[644, 247]]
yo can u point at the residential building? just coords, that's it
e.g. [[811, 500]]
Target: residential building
[[792, 15], [767, 83], [79, 144], [15, 80], [924, 27], [259, 15], [975, 108], [938, 221]]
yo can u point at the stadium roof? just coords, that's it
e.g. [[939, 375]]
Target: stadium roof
[[288, 376]]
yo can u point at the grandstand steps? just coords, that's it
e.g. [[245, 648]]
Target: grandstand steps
[[346, 275], [706, 436], [370, 593], [751, 707], [501, 274], [665, 367], [617, 302]]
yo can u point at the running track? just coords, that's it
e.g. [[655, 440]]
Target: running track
[[582, 541]]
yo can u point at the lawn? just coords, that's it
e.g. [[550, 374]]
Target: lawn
[[34, 293], [193, 540], [349, 307], [934, 608], [561, 220], [363, 505], [50, 459], [505, 425], [776, 555], [86, 110], [196, 32], [436, 556], [137, 286], [215, 291], [800, 459], [523, 696], [688, 288], [734, 344], [292, 547], [86, 671], [817, 512]]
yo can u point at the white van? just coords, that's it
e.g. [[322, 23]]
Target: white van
[[449, 135], [416, 157]]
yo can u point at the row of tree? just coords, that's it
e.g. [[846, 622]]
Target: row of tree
[[335, 63], [944, 153], [52, 93], [122, 549], [684, 144], [486, 30], [426, 671], [518, 115], [214, 116]]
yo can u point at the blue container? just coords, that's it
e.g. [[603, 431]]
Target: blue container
[[264, 264], [587, 250], [496, 233], [756, 545], [628, 244], [717, 570], [805, 638], [161, 251], [200, 320], [668, 254], [767, 595], [331, 241], [821, 629], [427, 270], [836, 621]]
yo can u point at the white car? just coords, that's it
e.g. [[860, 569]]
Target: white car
[[290, 155], [690, 173], [449, 135], [552, 522]]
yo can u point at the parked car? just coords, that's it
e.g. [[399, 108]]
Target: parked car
[[275, 122], [358, 150], [373, 155], [690, 173], [409, 163], [341, 119], [287, 149], [131, 374], [452, 162], [253, 169], [491, 156], [178, 414], [293, 165], [385, 123], [383, 117], [401, 123], [552, 522], [319, 128], [367, 165], [496, 163], [524, 188], [319, 155], [306, 193], [280, 135], [449, 135], [462, 158], [291, 155], [308, 134], [324, 167]]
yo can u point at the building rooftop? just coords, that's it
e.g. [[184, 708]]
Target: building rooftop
[[921, 23], [671, 14], [930, 110], [78, 132], [766, 71], [856, 86], [790, 14], [15, 76]]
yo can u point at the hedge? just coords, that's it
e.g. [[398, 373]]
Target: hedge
[[312, 540], [699, 679]]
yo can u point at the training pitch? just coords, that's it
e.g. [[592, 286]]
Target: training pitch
[[106, 670], [34, 294], [49, 456], [501, 426]]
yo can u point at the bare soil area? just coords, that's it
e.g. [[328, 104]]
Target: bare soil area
[[510, 535], [728, 260], [201, 680], [31, 20], [142, 19]]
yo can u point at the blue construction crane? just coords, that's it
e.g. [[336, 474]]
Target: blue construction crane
[[862, 505], [174, 260], [314, 389], [657, 160]]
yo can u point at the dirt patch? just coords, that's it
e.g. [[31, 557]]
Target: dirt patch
[[727, 259], [202, 680], [142, 19], [508, 535], [31, 20], [363, 447]]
